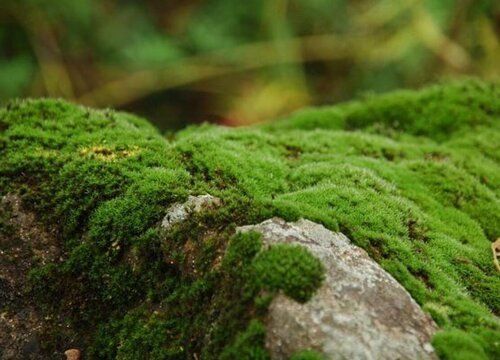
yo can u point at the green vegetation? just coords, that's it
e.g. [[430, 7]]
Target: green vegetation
[[249, 345], [307, 355], [289, 268], [458, 345], [412, 177]]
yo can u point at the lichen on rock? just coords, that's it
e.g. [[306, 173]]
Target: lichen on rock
[[411, 177]]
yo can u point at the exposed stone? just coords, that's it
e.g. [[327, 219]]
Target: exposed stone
[[72, 354], [194, 204], [360, 311], [495, 247]]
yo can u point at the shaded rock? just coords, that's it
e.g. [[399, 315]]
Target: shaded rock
[[194, 204], [360, 311]]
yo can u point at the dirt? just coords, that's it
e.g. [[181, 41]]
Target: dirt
[[24, 244]]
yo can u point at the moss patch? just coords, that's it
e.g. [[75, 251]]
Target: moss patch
[[458, 345], [412, 177], [289, 268], [307, 355], [249, 345]]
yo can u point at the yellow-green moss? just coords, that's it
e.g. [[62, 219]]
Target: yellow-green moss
[[412, 177]]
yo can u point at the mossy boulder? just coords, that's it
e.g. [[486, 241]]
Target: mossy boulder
[[412, 177], [359, 311]]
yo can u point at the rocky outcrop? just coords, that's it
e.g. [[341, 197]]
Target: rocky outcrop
[[360, 312], [98, 182], [72, 354]]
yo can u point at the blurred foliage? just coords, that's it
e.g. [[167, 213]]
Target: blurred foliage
[[237, 62]]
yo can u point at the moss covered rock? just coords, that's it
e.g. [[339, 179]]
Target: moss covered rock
[[358, 312], [411, 177]]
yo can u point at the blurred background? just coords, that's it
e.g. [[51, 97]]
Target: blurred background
[[179, 62]]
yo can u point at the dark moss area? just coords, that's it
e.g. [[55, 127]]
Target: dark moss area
[[412, 177]]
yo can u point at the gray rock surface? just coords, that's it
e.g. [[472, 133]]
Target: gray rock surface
[[360, 311], [181, 211]]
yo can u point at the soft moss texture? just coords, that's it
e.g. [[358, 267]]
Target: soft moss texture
[[413, 177], [458, 345], [249, 345], [289, 268]]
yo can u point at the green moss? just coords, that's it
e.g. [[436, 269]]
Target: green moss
[[136, 334], [412, 177], [307, 355], [249, 345], [289, 268], [437, 112], [458, 345]]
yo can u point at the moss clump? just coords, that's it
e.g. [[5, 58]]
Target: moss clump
[[458, 345], [412, 177], [289, 268]]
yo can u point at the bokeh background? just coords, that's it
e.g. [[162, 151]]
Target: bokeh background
[[238, 62]]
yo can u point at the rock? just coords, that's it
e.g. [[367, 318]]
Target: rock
[[495, 247], [72, 354], [360, 311], [194, 204]]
